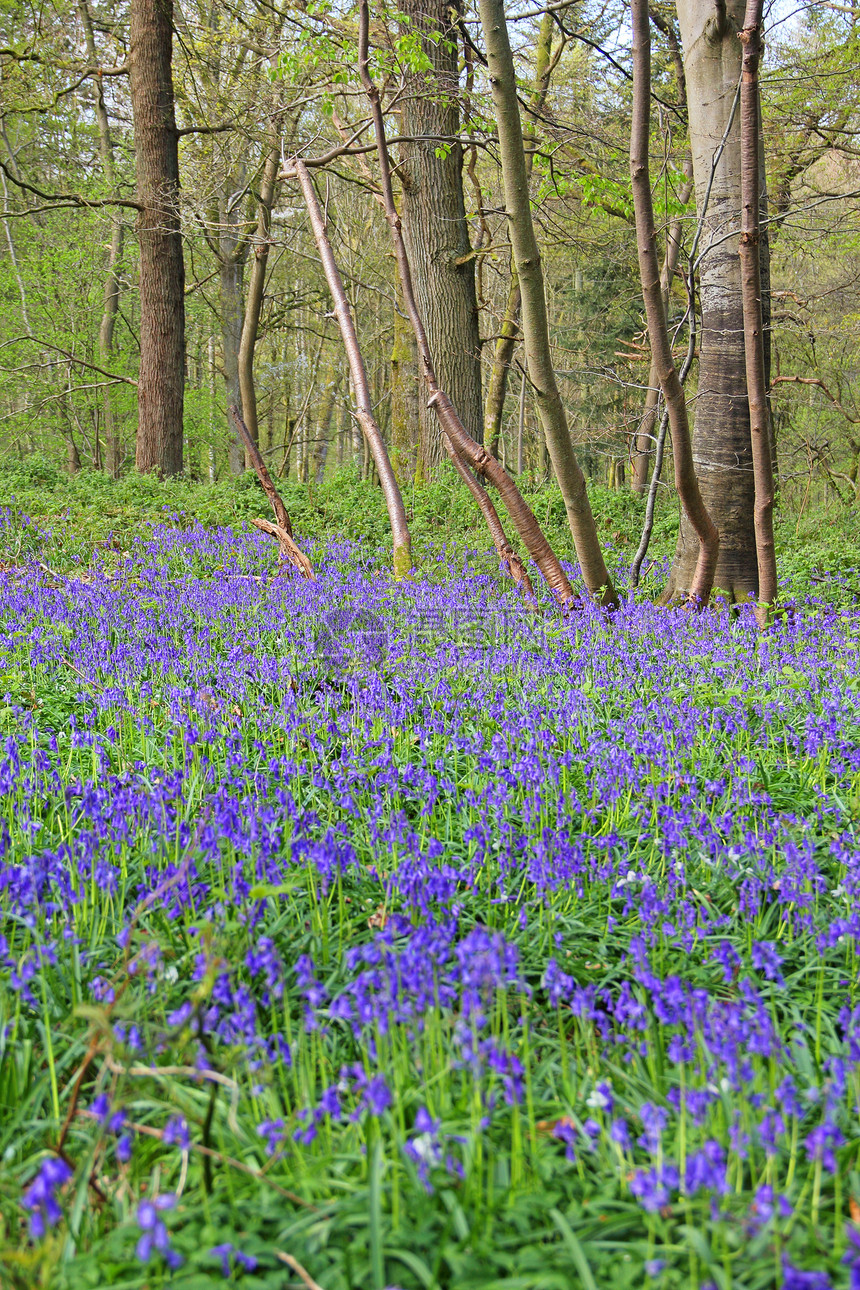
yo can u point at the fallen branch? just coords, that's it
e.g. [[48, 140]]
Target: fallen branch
[[282, 530]]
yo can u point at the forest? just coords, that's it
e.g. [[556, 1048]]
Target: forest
[[430, 644]]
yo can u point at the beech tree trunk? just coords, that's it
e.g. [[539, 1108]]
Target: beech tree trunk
[[655, 311], [434, 222], [161, 382], [324, 424], [722, 448], [535, 322]]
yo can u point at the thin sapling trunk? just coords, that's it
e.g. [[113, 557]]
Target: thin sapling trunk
[[533, 303], [472, 453], [661, 348], [750, 257], [361, 388]]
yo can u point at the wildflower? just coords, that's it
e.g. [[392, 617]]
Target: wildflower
[[39, 1197], [176, 1133], [228, 1253], [154, 1235]]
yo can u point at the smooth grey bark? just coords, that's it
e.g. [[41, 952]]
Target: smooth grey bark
[[232, 254], [722, 447]]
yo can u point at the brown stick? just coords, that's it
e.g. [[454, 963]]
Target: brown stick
[[283, 529], [750, 38], [364, 409], [473, 453], [686, 482]]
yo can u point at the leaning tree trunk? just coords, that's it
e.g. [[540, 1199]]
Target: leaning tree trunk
[[358, 374], [721, 437], [161, 382], [434, 222], [535, 322]]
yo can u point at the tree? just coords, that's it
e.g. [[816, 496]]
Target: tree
[[662, 362], [722, 447], [161, 383], [535, 325], [434, 216]]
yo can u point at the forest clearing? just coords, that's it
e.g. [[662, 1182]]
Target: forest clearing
[[429, 645]]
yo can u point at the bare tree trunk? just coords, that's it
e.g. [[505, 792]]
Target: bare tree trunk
[[324, 424], [361, 389], [644, 439], [232, 251], [434, 220], [405, 410], [686, 483], [721, 435], [535, 323], [161, 383], [760, 433], [110, 304], [509, 330], [462, 443], [256, 287]]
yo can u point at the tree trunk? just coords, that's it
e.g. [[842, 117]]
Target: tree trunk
[[256, 286], [453, 431], [110, 297], [644, 439], [434, 222], [375, 447], [535, 323], [722, 448], [324, 425], [231, 273], [405, 403], [686, 483], [161, 382], [509, 331], [760, 432]]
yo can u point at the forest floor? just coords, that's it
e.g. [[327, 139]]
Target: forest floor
[[368, 934]]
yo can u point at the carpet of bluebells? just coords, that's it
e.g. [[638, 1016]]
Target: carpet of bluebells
[[376, 934]]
